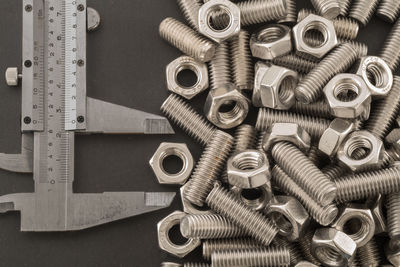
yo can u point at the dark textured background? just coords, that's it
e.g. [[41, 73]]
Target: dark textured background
[[126, 62]]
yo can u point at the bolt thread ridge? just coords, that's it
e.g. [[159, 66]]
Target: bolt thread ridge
[[219, 67], [194, 264], [344, 7], [384, 111], [213, 245], [208, 168], [362, 10], [209, 226], [367, 184], [294, 251], [312, 125], [295, 62], [190, 10], [314, 155], [333, 171], [277, 256], [260, 140], [327, 7], [258, 11], [393, 214], [243, 70], [304, 172], [323, 215], [182, 114], [391, 49], [305, 246], [317, 109], [368, 254], [291, 16], [253, 222], [389, 10], [339, 60], [187, 40]]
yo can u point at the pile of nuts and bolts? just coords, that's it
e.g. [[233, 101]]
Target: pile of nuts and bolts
[[316, 180]]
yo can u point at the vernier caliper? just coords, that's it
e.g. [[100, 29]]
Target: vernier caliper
[[54, 108]]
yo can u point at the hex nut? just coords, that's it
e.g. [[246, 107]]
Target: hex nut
[[248, 169], [272, 41], [214, 7], [187, 63], [222, 96], [259, 203], [165, 243], [168, 149], [190, 208], [361, 151], [260, 70], [348, 97], [308, 25], [393, 256], [377, 75], [276, 88], [333, 137], [363, 224], [289, 215], [375, 205], [332, 247], [289, 132]]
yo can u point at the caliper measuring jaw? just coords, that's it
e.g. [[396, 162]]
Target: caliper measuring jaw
[[54, 108]]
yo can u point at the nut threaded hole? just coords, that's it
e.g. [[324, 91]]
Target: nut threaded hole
[[172, 162], [377, 75], [315, 34], [230, 111], [175, 236], [187, 76], [346, 91], [356, 228], [247, 161], [219, 18], [358, 148], [329, 256], [271, 34], [282, 222], [254, 197], [286, 89]]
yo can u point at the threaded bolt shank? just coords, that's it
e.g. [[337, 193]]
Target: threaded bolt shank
[[213, 245], [243, 70]]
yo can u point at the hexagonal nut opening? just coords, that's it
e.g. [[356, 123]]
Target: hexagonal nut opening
[[393, 256], [348, 97], [287, 132], [333, 137], [361, 151], [332, 247], [190, 208], [226, 107], [314, 36], [357, 222], [272, 41], [377, 75], [183, 63], [255, 198], [227, 27], [276, 88], [165, 243], [289, 216], [166, 150]]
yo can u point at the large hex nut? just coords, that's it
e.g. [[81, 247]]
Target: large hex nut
[[214, 7], [308, 25], [289, 216], [190, 208], [289, 132], [276, 88], [187, 63], [168, 149], [271, 41], [225, 95], [248, 169], [333, 247], [357, 220], [377, 75], [264, 196], [361, 151], [348, 96], [333, 137]]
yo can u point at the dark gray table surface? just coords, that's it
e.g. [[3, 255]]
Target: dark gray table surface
[[126, 63]]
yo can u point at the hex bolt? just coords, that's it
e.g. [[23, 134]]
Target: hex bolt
[[346, 28], [339, 60], [388, 10], [187, 40], [384, 111], [190, 10], [242, 65], [294, 251], [317, 109], [327, 8], [368, 255], [305, 246], [295, 62], [291, 16], [323, 215], [393, 215], [209, 226], [251, 257], [312, 125], [208, 168], [344, 7], [213, 245], [391, 49], [219, 67], [253, 222], [367, 184], [362, 10]]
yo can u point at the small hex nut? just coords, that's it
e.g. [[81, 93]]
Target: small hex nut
[[248, 169], [260, 70], [187, 63], [314, 23], [271, 41], [289, 132], [348, 97], [332, 247], [225, 95], [190, 208], [289, 216], [165, 243], [377, 75], [364, 226], [168, 149], [361, 151], [276, 88], [257, 204], [215, 7], [333, 137]]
